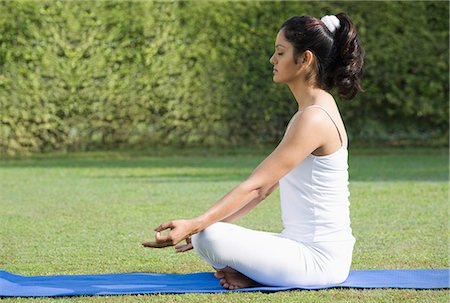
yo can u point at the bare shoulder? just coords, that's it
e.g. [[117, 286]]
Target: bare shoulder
[[309, 120], [326, 123]]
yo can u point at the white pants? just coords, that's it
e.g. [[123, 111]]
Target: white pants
[[271, 259]]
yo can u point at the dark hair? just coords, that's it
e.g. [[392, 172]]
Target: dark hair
[[339, 56]]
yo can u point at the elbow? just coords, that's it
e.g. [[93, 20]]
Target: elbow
[[254, 190], [263, 193]]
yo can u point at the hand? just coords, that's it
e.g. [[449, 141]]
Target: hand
[[179, 231], [184, 247]]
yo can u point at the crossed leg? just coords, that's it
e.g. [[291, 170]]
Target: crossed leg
[[245, 258]]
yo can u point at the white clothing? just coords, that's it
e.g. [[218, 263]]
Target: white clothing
[[314, 198], [316, 244], [272, 259]]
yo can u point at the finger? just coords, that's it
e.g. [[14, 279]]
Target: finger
[[164, 226], [180, 249], [183, 248], [152, 244], [156, 244], [165, 238]]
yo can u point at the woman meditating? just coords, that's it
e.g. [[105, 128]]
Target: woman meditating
[[309, 165]]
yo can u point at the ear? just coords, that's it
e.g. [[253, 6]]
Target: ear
[[307, 58]]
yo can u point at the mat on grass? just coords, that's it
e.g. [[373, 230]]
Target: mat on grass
[[12, 285]]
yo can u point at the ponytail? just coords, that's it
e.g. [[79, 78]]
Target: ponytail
[[346, 72]]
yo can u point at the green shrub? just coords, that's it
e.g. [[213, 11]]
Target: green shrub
[[80, 75]]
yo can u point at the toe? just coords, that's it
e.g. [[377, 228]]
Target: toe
[[222, 282], [219, 274]]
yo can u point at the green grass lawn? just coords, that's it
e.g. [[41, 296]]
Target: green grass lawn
[[89, 212]]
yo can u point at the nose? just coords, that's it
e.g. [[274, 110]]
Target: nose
[[272, 59]]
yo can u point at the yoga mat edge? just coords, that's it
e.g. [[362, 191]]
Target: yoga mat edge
[[12, 285]]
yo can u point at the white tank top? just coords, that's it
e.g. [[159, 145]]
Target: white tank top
[[314, 198]]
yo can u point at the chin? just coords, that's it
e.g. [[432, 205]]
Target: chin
[[276, 80]]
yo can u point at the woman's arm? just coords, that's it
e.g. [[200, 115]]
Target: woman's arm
[[248, 207], [230, 219], [304, 135]]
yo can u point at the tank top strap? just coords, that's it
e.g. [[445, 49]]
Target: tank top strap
[[337, 128]]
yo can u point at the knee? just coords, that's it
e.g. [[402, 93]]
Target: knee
[[209, 238]]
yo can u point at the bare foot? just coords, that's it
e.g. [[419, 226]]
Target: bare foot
[[232, 279]]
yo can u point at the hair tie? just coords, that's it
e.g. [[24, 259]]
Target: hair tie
[[332, 22]]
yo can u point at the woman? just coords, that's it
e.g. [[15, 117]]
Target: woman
[[309, 165]]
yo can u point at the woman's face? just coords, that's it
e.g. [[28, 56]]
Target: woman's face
[[284, 67]]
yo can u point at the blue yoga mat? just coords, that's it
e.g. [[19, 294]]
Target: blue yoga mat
[[12, 285]]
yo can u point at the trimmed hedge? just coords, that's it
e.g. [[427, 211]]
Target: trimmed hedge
[[82, 75]]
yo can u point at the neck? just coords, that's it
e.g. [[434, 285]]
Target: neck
[[304, 94]]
